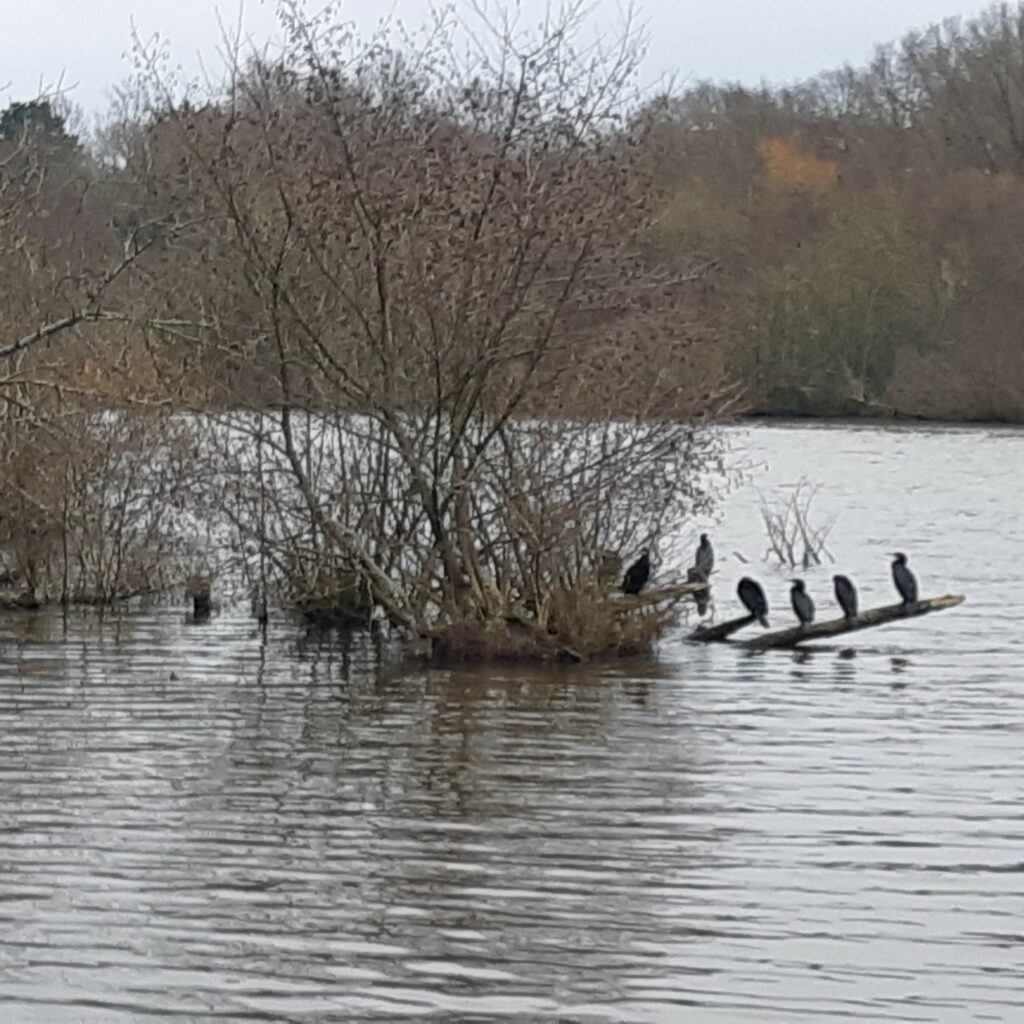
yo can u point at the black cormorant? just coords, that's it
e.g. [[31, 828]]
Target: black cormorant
[[637, 574], [802, 603], [904, 579], [704, 560], [846, 595], [753, 599]]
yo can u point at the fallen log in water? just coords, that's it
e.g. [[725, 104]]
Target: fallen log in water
[[865, 620], [833, 627], [625, 603], [715, 634]]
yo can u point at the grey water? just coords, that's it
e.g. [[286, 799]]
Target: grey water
[[196, 825]]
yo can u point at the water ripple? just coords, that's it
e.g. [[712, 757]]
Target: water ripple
[[198, 826]]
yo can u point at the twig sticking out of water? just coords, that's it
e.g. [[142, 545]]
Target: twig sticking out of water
[[793, 540]]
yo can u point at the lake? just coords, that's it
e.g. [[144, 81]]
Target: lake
[[200, 826]]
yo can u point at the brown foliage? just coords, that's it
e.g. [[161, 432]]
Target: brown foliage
[[865, 224], [790, 169]]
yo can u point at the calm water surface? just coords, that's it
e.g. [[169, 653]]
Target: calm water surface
[[197, 826]]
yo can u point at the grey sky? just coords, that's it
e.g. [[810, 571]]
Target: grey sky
[[781, 40]]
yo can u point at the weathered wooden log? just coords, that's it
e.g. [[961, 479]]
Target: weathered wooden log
[[722, 631], [625, 603], [865, 620]]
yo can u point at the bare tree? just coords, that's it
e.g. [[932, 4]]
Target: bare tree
[[432, 266]]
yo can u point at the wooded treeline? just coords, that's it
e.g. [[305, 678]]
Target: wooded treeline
[[851, 245], [863, 231]]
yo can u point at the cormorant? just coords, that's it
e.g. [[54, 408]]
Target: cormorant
[[846, 595], [704, 560], [904, 579], [637, 574], [802, 603], [752, 596]]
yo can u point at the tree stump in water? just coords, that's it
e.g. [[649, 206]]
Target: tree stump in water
[[198, 588]]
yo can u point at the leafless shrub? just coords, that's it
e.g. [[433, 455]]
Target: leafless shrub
[[94, 504], [794, 541], [434, 265]]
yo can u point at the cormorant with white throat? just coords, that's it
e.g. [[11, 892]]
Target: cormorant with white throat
[[904, 579]]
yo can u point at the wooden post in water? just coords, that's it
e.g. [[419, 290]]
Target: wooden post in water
[[795, 635], [198, 588]]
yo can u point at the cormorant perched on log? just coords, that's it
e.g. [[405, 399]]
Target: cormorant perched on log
[[904, 579], [704, 560], [846, 595], [637, 574], [752, 596], [802, 603]]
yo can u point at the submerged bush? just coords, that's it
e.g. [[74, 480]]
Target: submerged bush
[[408, 289], [96, 507], [474, 381]]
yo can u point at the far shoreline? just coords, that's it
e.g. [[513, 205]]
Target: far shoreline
[[901, 422]]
